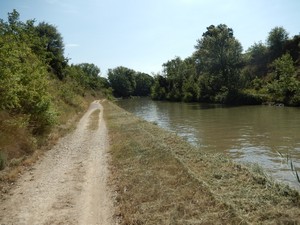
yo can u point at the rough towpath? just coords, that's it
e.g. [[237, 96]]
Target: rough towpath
[[69, 184]]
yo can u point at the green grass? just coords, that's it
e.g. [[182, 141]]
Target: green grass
[[161, 179]]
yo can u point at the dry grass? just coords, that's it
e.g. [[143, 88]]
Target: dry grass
[[161, 179], [15, 139]]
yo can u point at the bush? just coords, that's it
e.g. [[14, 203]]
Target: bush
[[24, 84]]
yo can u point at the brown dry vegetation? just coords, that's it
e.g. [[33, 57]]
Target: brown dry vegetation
[[161, 179]]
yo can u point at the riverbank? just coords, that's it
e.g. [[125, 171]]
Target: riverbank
[[161, 179], [243, 133]]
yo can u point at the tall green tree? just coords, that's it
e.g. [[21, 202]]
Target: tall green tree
[[143, 84], [20, 31], [219, 56], [159, 88], [190, 86], [173, 71], [255, 66], [258, 53], [13, 24], [276, 41], [53, 47]]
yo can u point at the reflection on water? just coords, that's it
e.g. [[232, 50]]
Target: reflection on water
[[256, 134]]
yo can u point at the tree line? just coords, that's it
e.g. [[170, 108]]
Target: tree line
[[35, 76], [219, 72], [40, 90], [126, 82]]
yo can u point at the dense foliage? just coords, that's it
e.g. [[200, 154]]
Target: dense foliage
[[38, 88], [219, 72], [23, 74], [31, 57]]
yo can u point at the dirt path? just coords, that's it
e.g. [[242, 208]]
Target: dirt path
[[68, 186]]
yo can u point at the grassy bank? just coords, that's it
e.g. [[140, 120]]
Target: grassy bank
[[161, 179]]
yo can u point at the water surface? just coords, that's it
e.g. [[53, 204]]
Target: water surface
[[255, 134]]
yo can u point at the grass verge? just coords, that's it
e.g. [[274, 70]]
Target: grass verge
[[161, 179]]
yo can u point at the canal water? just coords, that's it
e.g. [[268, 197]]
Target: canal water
[[267, 135]]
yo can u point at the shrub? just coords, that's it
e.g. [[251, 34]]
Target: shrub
[[24, 84]]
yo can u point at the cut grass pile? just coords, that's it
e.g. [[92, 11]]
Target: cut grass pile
[[161, 179]]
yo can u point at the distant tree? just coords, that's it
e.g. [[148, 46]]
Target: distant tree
[[276, 41], [127, 82], [292, 46], [76, 73], [92, 76], [173, 71], [54, 48], [159, 88], [122, 81], [190, 90], [219, 55], [190, 86], [179, 81], [90, 69], [143, 84], [87, 75], [258, 59], [255, 65]]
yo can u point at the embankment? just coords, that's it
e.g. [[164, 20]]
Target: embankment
[[161, 179]]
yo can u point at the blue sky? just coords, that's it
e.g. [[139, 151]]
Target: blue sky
[[143, 34]]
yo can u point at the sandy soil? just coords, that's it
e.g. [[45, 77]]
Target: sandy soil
[[68, 185]]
